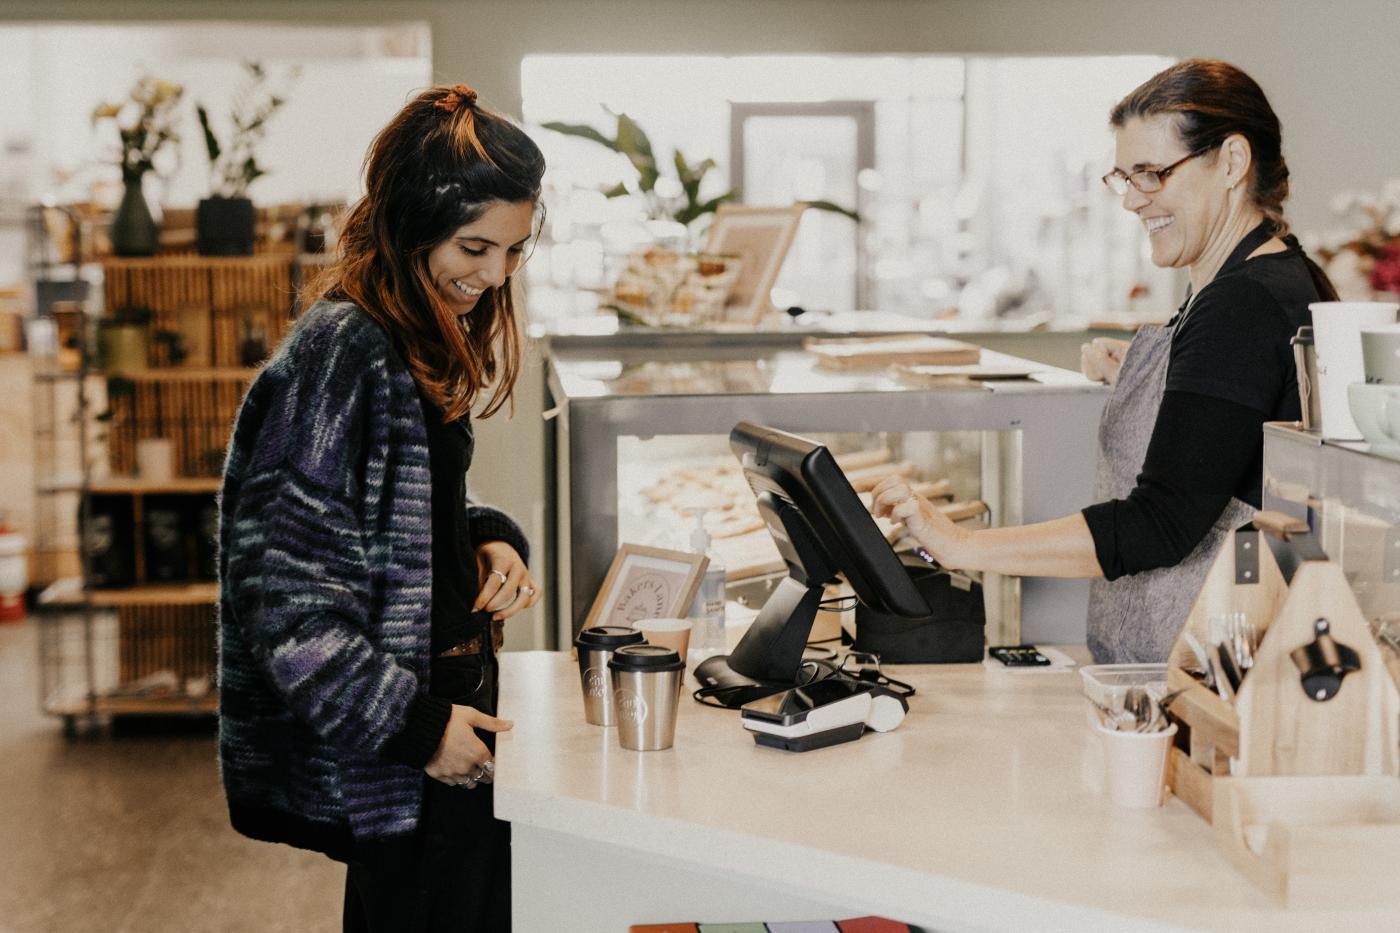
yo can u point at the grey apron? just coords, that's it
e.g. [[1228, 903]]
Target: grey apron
[[1136, 618]]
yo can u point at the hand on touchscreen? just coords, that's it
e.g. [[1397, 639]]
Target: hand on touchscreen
[[926, 524]]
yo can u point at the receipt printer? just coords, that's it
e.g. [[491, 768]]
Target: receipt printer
[[827, 712], [952, 633]]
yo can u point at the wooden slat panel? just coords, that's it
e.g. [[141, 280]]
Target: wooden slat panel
[[164, 637]]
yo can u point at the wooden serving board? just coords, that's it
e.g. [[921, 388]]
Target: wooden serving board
[[879, 352]]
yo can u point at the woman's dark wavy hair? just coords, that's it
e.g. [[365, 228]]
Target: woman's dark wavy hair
[[438, 165], [1211, 100]]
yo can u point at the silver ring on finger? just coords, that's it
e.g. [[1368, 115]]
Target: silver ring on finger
[[497, 573]]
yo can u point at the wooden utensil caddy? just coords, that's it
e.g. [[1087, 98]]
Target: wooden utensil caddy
[[1304, 795]]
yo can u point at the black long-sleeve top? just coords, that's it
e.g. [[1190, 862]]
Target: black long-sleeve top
[[1230, 369]]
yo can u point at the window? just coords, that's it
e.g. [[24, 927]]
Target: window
[[983, 197]]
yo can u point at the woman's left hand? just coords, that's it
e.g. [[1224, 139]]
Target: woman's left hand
[[504, 583], [934, 531]]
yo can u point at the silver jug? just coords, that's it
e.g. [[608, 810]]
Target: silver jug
[[1305, 356]]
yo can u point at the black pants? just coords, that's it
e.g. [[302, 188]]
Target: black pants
[[454, 874]]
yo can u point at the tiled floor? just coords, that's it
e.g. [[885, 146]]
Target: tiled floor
[[130, 835]]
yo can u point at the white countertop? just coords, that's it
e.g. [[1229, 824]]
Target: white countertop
[[981, 812]]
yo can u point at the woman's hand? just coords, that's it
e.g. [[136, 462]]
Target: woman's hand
[[1102, 358], [462, 758], [934, 531], [504, 586]]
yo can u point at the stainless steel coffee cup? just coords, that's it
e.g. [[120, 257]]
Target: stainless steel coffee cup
[[646, 682], [595, 646]]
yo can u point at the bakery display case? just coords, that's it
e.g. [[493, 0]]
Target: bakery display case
[[639, 443]]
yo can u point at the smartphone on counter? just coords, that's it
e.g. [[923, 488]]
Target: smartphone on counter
[[1019, 656]]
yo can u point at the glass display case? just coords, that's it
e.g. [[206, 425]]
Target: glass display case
[[1349, 493], [629, 428]]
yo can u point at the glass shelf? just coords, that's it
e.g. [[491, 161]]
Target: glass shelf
[[1349, 495]]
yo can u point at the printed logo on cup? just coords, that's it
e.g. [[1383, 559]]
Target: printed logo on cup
[[631, 707], [595, 682]]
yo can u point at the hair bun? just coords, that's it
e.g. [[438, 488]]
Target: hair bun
[[456, 96]]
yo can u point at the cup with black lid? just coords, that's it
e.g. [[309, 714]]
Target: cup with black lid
[[646, 682], [595, 646]]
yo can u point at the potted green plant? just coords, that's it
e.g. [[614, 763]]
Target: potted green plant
[[225, 221], [675, 198], [145, 124]]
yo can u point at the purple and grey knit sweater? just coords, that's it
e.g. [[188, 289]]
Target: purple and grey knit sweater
[[325, 591]]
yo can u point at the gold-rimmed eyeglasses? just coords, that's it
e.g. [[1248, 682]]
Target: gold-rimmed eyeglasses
[[1149, 180]]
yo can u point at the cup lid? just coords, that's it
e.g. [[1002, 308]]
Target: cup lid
[[646, 657], [607, 636]]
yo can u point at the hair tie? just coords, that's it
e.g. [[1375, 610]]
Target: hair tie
[[456, 96]]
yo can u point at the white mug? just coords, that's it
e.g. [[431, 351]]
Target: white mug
[[1337, 327], [1380, 354]]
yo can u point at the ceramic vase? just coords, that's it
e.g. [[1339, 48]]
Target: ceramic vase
[[134, 231]]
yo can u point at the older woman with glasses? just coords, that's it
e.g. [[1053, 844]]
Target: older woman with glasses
[[1199, 162]]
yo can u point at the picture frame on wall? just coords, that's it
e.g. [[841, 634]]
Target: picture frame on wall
[[760, 237], [647, 583]]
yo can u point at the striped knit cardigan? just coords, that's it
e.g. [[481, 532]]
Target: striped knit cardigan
[[325, 589]]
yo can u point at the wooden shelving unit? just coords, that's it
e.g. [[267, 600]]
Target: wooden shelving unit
[[70, 593], [146, 640], [132, 485], [136, 705]]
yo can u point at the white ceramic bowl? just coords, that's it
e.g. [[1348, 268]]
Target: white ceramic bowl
[[1376, 411]]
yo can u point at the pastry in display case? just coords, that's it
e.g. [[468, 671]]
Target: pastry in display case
[[664, 480], [664, 287]]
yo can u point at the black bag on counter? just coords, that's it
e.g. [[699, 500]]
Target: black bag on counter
[[953, 633]]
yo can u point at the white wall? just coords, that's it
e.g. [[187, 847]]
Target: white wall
[[351, 81]]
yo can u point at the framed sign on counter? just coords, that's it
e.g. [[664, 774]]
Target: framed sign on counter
[[760, 237], [647, 583]]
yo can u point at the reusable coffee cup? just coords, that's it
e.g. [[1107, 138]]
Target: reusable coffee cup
[[1380, 354], [1337, 327], [1135, 765], [670, 633], [595, 646], [646, 683]]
